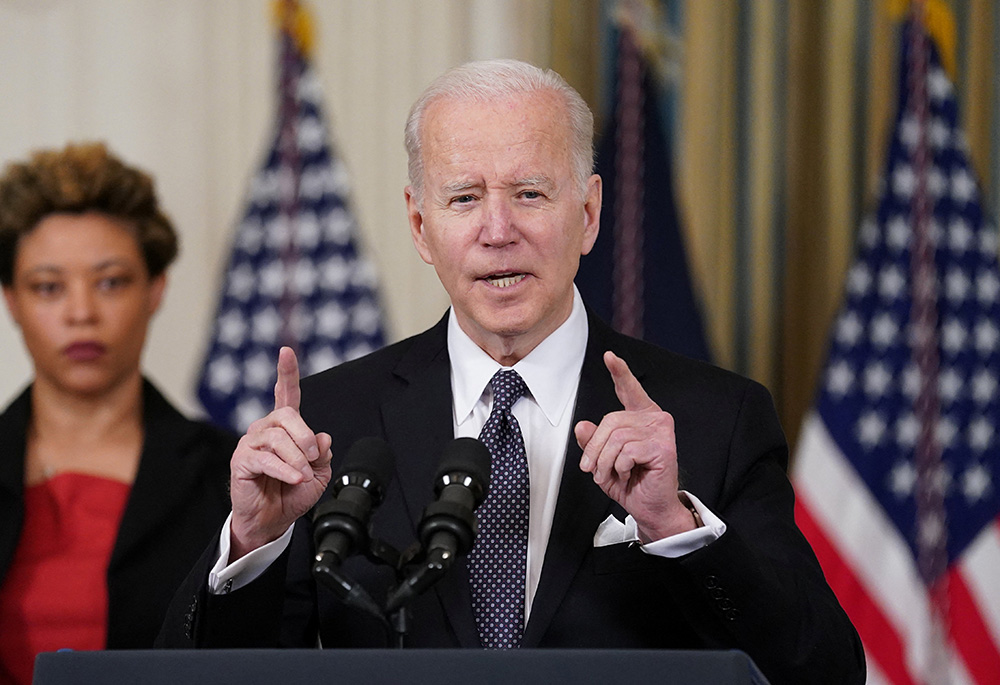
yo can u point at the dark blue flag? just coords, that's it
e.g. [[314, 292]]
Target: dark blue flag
[[295, 277], [637, 276]]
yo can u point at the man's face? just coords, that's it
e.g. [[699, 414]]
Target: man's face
[[502, 220]]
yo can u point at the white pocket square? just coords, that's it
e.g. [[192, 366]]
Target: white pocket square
[[614, 532]]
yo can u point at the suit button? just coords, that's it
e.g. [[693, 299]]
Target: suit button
[[711, 582], [733, 614]]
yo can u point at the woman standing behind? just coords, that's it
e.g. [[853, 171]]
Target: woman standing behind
[[107, 494]]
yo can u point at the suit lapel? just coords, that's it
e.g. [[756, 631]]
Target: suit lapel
[[582, 505], [14, 429], [418, 425], [150, 504]]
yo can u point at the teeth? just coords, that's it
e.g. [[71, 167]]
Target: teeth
[[504, 281]]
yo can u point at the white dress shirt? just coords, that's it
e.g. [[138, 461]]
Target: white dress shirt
[[551, 372]]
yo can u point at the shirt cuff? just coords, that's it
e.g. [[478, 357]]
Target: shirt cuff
[[678, 545], [612, 531], [225, 577]]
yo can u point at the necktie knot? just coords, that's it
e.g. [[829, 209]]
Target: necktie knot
[[507, 386]]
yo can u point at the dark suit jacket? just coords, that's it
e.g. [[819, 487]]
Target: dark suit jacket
[[178, 502], [757, 588]]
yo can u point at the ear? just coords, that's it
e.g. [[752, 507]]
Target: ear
[[415, 215], [592, 212], [157, 286], [8, 296]]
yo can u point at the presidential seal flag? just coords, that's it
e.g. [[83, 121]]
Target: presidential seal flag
[[296, 276], [897, 469]]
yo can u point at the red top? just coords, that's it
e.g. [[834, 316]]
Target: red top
[[55, 593]]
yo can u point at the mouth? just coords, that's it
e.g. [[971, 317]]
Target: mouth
[[84, 351], [505, 280]]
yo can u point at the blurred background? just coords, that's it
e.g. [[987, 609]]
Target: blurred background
[[776, 114]]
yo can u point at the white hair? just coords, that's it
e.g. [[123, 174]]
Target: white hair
[[495, 79]]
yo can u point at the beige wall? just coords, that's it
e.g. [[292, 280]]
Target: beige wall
[[185, 89]]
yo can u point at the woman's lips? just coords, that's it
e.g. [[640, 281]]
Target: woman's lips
[[84, 351]]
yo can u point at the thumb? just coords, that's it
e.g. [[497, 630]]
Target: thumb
[[286, 390], [628, 388], [584, 431]]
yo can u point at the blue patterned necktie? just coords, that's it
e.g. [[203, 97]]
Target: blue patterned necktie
[[498, 561]]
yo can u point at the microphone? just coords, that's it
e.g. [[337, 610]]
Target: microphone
[[340, 524], [448, 526], [461, 483]]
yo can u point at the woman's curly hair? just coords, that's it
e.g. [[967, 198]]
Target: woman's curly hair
[[78, 179]]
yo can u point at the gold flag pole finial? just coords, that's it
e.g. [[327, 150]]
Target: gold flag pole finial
[[292, 17], [938, 20]]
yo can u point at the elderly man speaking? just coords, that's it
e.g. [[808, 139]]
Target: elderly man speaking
[[638, 499]]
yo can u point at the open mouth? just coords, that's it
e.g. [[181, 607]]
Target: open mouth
[[505, 280]]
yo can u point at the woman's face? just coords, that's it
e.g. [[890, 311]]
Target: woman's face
[[83, 298]]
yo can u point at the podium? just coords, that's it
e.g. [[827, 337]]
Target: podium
[[382, 667]]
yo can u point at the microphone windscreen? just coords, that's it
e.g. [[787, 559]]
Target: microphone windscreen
[[370, 456], [466, 455]]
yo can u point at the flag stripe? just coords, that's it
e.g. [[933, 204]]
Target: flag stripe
[[857, 526], [981, 572], [969, 632], [882, 642], [891, 615]]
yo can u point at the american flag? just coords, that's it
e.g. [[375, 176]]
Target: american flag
[[898, 465], [296, 276]]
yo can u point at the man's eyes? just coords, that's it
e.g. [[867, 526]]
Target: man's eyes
[[467, 198]]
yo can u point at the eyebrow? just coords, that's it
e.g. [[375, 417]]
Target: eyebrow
[[100, 266], [460, 186], [537, 181], [529, 182]]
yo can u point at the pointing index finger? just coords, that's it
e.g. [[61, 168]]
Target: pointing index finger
[[286, 390], [628, 388]]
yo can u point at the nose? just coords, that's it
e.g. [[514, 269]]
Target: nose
[[498, 227], [81, 304]]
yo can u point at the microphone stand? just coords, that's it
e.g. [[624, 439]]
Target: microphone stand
[[432, 565], [326, 569], [395, 616]]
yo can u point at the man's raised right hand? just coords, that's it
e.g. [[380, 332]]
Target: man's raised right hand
[[279, 469]]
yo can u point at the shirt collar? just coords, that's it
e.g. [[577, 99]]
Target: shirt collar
[[544, 370]]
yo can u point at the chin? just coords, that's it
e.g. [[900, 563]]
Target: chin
[[87, 383], [506, 322]]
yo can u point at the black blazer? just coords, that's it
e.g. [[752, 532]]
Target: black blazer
[[178, 502], [757, 588]]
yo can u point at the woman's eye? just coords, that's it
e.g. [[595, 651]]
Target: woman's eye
[[113, 282], [46, 288]]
